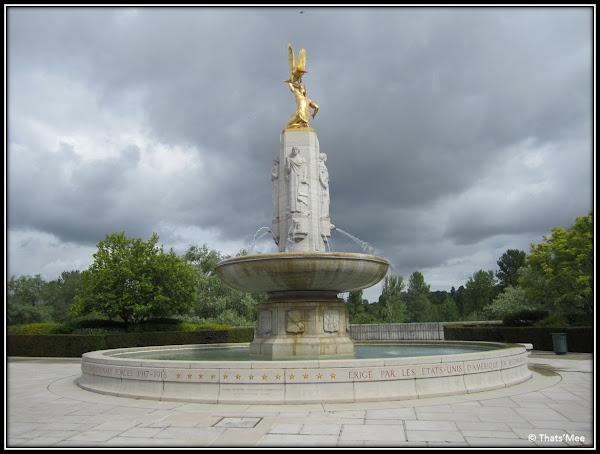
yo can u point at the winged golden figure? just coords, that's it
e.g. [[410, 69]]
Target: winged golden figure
[[297, 70]]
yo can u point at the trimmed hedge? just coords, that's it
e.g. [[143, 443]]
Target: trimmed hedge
[[54, 345], [579, 339], [31, 328], [74, 345]]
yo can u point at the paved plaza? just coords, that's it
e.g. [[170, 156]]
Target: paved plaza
[[555, 408]]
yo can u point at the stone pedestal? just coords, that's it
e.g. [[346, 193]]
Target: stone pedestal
[[303, 316], [300, 178], [298, 324]]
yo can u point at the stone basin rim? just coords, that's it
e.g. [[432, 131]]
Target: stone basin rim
[[302, 381], [114, 356], [305, 256]]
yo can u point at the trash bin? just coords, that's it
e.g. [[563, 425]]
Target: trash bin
[[559, 341]]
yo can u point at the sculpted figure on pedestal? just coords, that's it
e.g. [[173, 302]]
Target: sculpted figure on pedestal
[[301, 117], [296, 171]]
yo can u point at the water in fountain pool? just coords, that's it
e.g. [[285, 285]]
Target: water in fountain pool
[[362, 351]]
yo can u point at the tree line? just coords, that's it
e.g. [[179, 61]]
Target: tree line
[[556, 278], [134, 280]]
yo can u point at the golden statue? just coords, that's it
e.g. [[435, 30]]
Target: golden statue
[[301, 117]]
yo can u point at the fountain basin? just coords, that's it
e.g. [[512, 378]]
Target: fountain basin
[[337, 272], [303, 316], [302, 381]]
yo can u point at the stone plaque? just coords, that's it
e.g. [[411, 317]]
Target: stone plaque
[[265, 322], [331, 321], [294, 322]]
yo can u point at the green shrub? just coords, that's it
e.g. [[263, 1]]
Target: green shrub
[[97, 326], [185, 326], [579, 339], [32, 328], [211, 327], [92, 331], [53, 345], [525, 317], [579, 319], [553, 321], [92, 339]]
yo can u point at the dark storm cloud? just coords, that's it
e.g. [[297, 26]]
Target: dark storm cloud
[[445, 128]]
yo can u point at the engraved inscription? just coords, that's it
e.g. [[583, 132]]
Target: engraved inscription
[[512, 362], [125, 372], [381, 374], [444, 369], [481, 366]]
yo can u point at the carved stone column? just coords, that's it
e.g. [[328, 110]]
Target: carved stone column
[[301, 214]]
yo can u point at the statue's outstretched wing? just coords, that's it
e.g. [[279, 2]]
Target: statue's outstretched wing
[[291, 63], [302, 61]]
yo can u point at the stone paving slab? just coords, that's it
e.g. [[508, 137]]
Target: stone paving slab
[[554, 409]]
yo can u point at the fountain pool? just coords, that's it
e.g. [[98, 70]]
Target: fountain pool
[[302, 351], [225, 373]]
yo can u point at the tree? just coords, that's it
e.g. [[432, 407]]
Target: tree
[[393, 309], [26, 300], [61, 295], [354, 304], [480, 292], [510, 262], [510, 301], [216, 302], [560, 269], [438, 297], [417, 299], [447, 311], [460, 297], [135, 280]]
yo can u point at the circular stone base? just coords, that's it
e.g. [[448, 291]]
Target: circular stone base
[[306, 381]]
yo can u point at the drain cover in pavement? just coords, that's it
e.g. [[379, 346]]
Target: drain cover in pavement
[[243, 423]]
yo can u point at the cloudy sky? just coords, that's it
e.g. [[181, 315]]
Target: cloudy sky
[[452, 134]]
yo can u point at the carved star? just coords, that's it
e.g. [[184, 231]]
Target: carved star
[[200, 376], [291, 376], [305, 376], [212, 376], [225, 376], [251, 377], [237, 377], [264, 377], [277, 377], [178, 375], [189, 376], [333, 376], [319, 376]]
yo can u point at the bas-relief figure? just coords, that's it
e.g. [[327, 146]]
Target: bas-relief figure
[[325, 221], [295, 322], [324, 180], [275, 199], [296, 172], [265, 322], [331, 321]]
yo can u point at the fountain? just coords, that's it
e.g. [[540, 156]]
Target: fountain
[[303, 317], [302, 351]]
